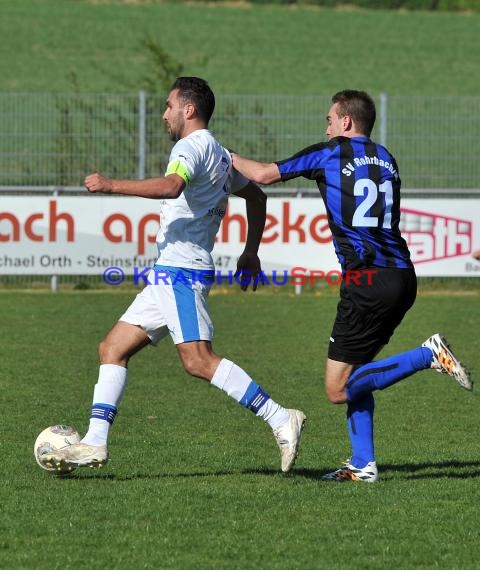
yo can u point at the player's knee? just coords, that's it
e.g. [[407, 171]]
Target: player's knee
[[335, 396], [193, 366], [108, 352], [103, 350]]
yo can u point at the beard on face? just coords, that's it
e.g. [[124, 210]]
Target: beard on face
[[176, 128]]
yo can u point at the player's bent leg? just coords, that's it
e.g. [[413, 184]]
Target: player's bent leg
[[336, 376], [361, 466], [199, 360]]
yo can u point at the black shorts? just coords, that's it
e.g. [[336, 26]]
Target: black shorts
[[367, 314]]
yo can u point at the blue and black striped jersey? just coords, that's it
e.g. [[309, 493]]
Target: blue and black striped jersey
[[360, 185]]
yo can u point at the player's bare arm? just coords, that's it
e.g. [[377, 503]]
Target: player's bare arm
[[249, 262], [259, 172], [170, 186]]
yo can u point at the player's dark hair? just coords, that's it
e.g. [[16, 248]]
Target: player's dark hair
[[197, 91], [359, 106]]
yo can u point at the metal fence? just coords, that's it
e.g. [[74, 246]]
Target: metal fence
[[53, 140]]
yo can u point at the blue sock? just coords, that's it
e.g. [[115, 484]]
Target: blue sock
[[254, 398], [383, 373], [105, 412], [360, 428]]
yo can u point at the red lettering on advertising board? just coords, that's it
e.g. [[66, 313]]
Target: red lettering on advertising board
[[431, 237], [285, 228], [118, 228], [52, 218]]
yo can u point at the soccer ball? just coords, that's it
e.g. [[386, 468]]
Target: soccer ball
[[52, 438]]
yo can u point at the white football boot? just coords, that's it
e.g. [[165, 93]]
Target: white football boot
[[76, 455], [288, 438]]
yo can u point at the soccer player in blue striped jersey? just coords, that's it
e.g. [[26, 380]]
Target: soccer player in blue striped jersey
[[359, 182]]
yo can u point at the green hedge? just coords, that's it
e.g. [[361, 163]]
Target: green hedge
[[430, 5]]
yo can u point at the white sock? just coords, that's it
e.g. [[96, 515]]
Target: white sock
[[108, 392], [238, 385]]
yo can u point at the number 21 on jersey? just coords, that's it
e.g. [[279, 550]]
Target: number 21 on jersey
[[367, 188]]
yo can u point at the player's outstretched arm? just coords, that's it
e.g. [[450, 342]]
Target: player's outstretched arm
[[248, 263], [259, 172], [170, 186]]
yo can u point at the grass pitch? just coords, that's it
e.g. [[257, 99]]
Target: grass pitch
[[194, 479], [98, 46]]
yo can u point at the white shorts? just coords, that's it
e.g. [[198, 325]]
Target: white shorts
[[175, 303]]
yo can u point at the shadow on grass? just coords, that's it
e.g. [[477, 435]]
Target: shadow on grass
[[408, 471], [432, 470], [97, 474]]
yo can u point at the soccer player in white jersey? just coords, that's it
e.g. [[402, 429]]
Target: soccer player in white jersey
[[194, 194]]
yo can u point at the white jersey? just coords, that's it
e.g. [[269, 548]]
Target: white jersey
[[189, 223]]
